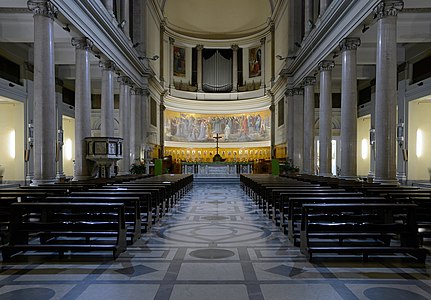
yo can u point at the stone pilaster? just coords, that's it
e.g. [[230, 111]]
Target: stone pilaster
[[82, 106], [125, 124], [325, 118], [199, 49], [45, 136], [109, 5], [308, 17], [234, 68], [349, 103], [323, 6], [107, 95], [171, 62], [135, 124], [125, 15], [262, 61], [290, 122], [298, 127], [308, 166], [386, 90]]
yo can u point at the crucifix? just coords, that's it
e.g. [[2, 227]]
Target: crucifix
[[217, 137]]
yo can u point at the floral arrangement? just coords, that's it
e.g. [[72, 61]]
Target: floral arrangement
[[137, 167]]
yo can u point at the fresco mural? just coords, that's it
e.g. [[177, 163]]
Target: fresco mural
[[254, 62], [179, 62], [185, 127]]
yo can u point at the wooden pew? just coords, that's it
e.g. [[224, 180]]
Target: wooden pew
[[30, 220], [132, 209], [328, 222]]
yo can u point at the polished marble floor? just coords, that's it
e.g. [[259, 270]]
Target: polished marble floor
[[214, 245]]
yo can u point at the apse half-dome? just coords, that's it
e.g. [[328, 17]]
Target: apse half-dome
[[217, 18]]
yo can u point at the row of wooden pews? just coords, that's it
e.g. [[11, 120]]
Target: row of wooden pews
[[97, 215], [330, 215]]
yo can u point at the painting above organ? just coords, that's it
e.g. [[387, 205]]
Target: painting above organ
[[193, 127]]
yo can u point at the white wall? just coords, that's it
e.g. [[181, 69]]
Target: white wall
[[12, 120], [419, 119]]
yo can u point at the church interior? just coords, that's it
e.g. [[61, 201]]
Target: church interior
[[198, 149]]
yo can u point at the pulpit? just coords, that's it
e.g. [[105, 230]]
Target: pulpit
[[104, 151]]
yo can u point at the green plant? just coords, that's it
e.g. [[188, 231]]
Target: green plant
[[137, 168], [289, 167]]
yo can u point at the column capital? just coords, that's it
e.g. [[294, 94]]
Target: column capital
[[263, 40], [388, 8], [199, 47], [162, 26], [326, 65], [289, 92], [42, 7], [271, 26], [171, 40], [108, 65], [81, 43], [140, 91], [309, 80], [235, 47], [349, 44], [124, 80], [298, 91]]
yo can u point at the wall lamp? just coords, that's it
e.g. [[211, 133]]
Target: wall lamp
[[66, 28], [310, 24], [136, 45], [122, 24], [365, 28], [278, 56], [297, 44], [335, 55], [155, 57]]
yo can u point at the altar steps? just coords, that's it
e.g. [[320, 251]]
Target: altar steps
[[216, 180]]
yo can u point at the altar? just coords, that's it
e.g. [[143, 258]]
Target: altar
[[216, 169]]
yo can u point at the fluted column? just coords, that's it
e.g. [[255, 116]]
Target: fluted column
[[234, 68], [171, 62], [109, 5], [325, 118], [44, 92], [135, 124], [82, 106], [308, 17], [199, 49], [124, 164], [125, 15], [386, 91], [298, 127], [349, 104], [107, 95], [290, 123], [308, 166]]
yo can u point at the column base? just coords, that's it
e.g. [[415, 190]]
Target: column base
[[81, 177], [347, 177], [123, 173], [60, 176], [326, 174], [383, 181], [36, 182], [402, 177]]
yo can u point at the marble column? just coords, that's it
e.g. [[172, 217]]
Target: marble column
[[199, 49], [325, 118], [162, 109], [107, 95], [349, 104], [125, 15], [402, 129], [309, 119], [109, 5], [262, 61], [386, 91], [298, 127], [82, 106], [290, 123], [135, 122], [44, 92], [162, 52], [272, 109], [124, 164], [234, 68], [60, 138], [308, 17], [144, 119], [171, 62], [371, 173]]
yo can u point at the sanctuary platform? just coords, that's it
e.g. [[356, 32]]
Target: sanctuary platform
[[216, 169]]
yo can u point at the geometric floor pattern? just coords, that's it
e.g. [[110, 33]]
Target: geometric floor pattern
[[214, 245]]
